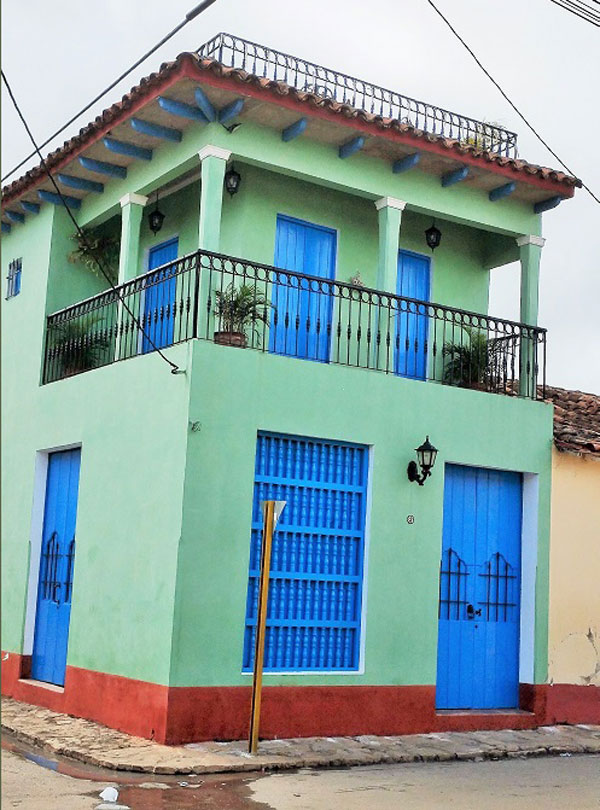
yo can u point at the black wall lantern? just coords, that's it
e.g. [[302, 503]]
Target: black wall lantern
[[426, 455], [156, 218], [433, 236], [232, 180]]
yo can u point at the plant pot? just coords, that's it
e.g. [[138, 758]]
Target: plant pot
[[231, 339]]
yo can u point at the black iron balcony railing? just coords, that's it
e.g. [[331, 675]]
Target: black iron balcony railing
[[310, 77], [249, 305]]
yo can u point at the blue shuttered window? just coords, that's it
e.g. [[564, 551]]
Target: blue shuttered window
[[315, 588], [13, 279]]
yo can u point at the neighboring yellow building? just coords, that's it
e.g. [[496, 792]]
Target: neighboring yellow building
[[573, 694]]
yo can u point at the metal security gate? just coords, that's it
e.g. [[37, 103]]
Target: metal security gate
[[315, 588], [57, 560], [478, 629]]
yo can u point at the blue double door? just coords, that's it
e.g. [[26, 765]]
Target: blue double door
[[160, 298], [301, 323], [57, 559], [480, 584]]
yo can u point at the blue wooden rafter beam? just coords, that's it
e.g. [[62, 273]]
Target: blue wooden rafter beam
[[30, 207], [182, 110], [101, 167], [502, 191], [129, 149], [205, 104], [406, 163], [547, 205], [350, 147], [295, 129], [80, 183], [15, 216], [231, 111], [155, 130], [55, 199], [5, 227], [457, 176]]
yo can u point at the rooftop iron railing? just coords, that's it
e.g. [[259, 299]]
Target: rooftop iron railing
[[249, 305], [326, 83]]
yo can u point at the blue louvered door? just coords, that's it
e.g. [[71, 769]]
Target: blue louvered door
[[315, 588], [159, 300], [57, 560], [480, 573], [412, 323], [301, 323]]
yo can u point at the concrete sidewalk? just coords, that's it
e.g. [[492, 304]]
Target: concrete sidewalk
[[97, 745]]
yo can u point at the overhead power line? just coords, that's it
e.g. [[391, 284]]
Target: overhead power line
[[580, 9], [174, 367], [188, 18], [505, 96]]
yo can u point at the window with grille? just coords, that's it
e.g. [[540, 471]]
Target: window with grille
[[315, 586], [13, 279]]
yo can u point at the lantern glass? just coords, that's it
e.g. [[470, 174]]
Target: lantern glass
[[426, 455], [155, 220], [433, 236], [232, 181]]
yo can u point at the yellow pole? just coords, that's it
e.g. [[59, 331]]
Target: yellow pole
[[261, 621]]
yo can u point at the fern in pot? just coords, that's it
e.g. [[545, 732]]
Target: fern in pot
[[239, 310]]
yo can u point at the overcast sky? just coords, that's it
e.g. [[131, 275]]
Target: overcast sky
[[59, 55]]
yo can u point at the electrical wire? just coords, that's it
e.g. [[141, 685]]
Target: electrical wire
[[581, 10], [188, 18], [174, 367], [514, 106]]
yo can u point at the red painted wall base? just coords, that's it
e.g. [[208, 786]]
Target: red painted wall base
[[174, 715]]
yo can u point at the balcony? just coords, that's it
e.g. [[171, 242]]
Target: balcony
[[309, 77], [246, 305]]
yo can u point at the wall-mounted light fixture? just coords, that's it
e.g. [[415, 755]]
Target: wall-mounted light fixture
[[433, 236], [426, 455], [156, 218], [232, 180]]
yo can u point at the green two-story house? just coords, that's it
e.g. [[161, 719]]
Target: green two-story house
[[280, 290]]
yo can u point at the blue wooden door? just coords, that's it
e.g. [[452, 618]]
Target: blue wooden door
[[302, 308], [315, 587], [480, 575], [57, 559], [411, 320], [159, 301]]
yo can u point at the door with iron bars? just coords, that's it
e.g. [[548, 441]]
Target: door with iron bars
[[480, 582], [301, 323], [57, 560]]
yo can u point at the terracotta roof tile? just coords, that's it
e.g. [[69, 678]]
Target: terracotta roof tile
[[576, 421], [149, 86]]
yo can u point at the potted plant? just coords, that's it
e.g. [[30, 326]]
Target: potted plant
[[93, 248], [467, 361], [79, 345], [239, 309]]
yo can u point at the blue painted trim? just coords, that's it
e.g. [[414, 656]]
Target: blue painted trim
[[101, 167], [547, 205], [31, 208], [205, 105], [155, 130], [129, 149], [55, 199], [6, 227], [502, 191], [181, 109], [231, 110], [295, 129], [450, 178], [80, 183], [15, 216], [406, 163], [350, 147]]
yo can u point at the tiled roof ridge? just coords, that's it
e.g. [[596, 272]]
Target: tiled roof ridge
[[148, 84], [576, 420]]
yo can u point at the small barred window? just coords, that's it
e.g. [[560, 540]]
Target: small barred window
[[13, 278]]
